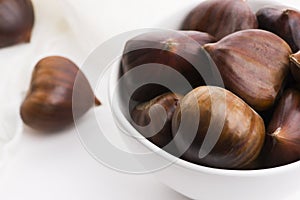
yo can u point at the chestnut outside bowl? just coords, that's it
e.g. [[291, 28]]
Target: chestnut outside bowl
[[198, 182]]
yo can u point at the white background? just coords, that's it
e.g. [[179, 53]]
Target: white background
[[56, 166]]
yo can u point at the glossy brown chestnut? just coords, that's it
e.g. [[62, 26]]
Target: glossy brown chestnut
[[282, 21], [242, 129], [295, 66], [48, 104], [283, 134], [220, 18], [141, 117], [164, 50], [254, 65], [16, 21]]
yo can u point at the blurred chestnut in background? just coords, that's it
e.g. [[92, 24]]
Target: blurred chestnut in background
[[16, 22]]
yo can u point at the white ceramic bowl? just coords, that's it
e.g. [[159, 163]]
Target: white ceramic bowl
[[198, 182]]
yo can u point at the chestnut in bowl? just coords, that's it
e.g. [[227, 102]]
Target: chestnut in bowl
[[283, 21], [221, 18], [148, 114], [283, 139], [239, 139], [163, 48]]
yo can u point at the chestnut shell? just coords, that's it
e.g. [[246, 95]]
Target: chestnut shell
[[282, 21], [254, 64], [283, 134], [221, 17], [140, 115], [16, 21], [48, 105], [166, 46], [242, 134]]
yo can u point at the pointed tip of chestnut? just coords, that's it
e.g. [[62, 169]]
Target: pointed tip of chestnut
[[27, 37], [97, 102], [209, 47], [286, 11], [295, 66], [294, 60]]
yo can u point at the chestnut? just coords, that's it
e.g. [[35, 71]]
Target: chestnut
[[48, 105], [254, 64], [157, 48], [282, 21], [283, 134], [221, 17], [147, 114], [16, 22], [240, 136]]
